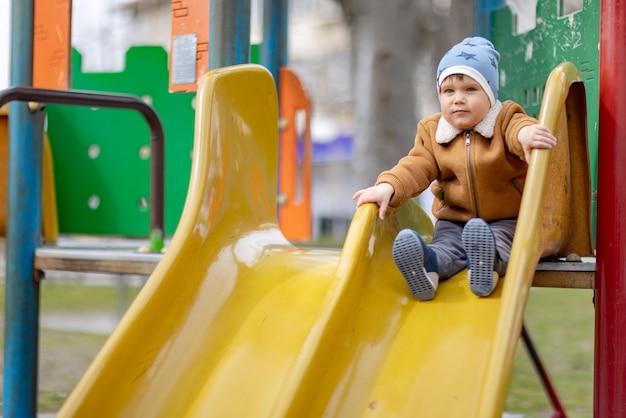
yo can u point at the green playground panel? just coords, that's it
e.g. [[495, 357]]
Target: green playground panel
[[102, 156], [527, 59]]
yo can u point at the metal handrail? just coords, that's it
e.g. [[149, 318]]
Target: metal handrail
[[119, 101]]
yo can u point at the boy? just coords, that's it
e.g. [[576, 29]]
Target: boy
[[475, 152]]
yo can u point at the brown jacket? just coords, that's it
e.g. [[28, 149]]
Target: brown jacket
[[473, 175]]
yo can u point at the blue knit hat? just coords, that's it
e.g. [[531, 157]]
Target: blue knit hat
[[475, 57]]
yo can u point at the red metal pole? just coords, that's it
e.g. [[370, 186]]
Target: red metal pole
[[610, 326], [559, 411]]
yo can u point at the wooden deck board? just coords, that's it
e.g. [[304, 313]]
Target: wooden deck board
[[122, 260], [129, 260]]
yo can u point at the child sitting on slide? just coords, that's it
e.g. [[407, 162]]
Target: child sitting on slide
[[475, 154]]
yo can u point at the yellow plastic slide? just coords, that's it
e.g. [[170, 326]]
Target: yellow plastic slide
[[237, 322]]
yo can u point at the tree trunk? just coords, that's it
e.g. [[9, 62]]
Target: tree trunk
[[396, 47]]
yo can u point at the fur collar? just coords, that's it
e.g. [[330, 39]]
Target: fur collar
[[446, 132]]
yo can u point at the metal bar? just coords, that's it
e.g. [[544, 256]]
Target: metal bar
[[274, 46], [21, 332], [119, 101], [559, 411], [610, 322], [22, 286], [229, 33], [482, 16]]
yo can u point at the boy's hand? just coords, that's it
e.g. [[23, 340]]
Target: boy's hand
[[535, 136], [379, 194]]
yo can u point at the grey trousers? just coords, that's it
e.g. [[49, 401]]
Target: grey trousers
[[448, 246]]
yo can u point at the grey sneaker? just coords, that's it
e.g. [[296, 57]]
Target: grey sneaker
[[480, 247], [408, 254]]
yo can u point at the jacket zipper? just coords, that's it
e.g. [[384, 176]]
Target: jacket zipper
[[514, 183], [471, 172]]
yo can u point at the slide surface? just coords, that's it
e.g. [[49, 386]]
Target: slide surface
[[237, 322]]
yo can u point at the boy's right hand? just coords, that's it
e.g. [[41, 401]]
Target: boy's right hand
[[380, 194]]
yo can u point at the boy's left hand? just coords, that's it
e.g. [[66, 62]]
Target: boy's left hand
[[535, 136]]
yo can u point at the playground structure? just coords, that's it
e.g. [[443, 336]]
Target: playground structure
[[335, 283], [321, 305]]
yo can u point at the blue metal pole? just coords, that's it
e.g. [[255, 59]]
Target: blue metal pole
[[482, 16], [21, 337], [275, 30], [229, 33]]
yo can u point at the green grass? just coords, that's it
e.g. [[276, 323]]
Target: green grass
[[64, 356], [560, 321], [561, 325], [82, 299]]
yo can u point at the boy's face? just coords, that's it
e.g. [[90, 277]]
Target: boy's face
[[463, 101]]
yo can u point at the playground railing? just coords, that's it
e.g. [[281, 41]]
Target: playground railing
[[119, 101]]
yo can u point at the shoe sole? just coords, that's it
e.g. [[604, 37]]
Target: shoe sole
[[408, 255], [480, 248]]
